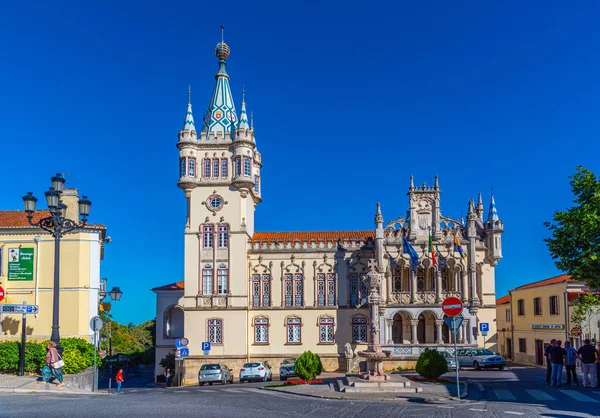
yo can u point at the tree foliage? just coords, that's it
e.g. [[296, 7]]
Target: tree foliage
[[127, 339], [431, 364], [308, 366], [575, 240], [168, 362], [585, 309]]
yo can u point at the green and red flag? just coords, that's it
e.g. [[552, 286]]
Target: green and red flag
[[432, 251]]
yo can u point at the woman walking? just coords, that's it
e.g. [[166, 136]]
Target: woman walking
[[54, 365]]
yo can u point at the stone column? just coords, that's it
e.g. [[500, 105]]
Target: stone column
[[469, 336], [388, 330], [464, 287], [413, 328], [413, 286], [387, 279], [461, 334], [438, 325], [438, 286]]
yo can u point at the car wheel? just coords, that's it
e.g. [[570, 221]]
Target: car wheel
[[501, 368], [476, 366], [200, 383]]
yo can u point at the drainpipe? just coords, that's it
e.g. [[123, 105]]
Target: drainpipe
[[37, 269]]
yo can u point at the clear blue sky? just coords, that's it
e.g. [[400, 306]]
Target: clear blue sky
[[349, 99]]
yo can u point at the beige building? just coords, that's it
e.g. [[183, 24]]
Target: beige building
[[269, 295], [27, 273], [533, 314]]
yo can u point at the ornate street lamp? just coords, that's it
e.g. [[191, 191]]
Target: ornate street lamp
[[115, 293], [57, 224]]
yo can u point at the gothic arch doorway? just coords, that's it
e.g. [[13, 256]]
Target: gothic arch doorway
[[397, 329]]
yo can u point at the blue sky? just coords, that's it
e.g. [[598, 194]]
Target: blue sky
[[349, 99]]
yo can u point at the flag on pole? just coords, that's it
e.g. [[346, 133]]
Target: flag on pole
[[458, 248], [408, 249], [432, 250]]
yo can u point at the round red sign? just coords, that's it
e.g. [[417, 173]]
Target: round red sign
[[452, 306], [1, 293]]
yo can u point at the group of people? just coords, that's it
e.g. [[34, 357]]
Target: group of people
[[557, 357]]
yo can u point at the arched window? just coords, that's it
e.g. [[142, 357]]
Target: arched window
[[261, 330], [173, 322], [420, 279], [294, 326], [397, 279], [445, 283], [326, 331]]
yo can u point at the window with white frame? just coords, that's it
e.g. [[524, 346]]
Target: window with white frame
[[325, 289], [326, 330], [294, 326], [207, 280], [224, 170], [359, 329], [261, 290], [207, 168], [247, 167], [261, 330], [216, 168], [223, 236], [207, 236], [182, 166], [215, 331], [222, 279], [256, 184], [192, 167]]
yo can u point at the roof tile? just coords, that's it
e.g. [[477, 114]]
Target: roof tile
[[563, 278], [172, 286], [503, 300], [18, 218]]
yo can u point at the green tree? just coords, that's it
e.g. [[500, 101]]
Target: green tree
[[585, 309], [431, 364], [575, 240], [308, 366], [168, 362]]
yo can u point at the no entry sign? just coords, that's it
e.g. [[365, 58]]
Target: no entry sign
[[576, 332], [1, 293], [452, 306]]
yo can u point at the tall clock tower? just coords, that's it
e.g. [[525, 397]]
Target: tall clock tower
[[219, 172]]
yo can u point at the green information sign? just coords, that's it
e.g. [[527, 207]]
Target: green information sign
[[20, 264]]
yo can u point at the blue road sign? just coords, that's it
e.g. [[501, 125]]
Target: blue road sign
[[205, 346], [484, 327], [184, 352], [454, 323], [181, 342]]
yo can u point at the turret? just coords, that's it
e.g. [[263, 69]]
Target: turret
[[424, 209], [494, 228], [188, 133], [480, 208], [244, 162], [188, 163], [472, 257], [379, 237]]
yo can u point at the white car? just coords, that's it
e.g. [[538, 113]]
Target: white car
[[256, 371]]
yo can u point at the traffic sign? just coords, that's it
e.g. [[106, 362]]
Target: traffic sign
[[1, 293], [96, 323], [454, 323], [181, 342], [205, 346], [19, 309], [184, 352], [484, 327], [452, 306], [576, 332], [206, 352], [177, 354]]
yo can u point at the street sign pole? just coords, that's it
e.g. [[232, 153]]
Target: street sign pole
[[22, 351], [454, 331], [95, 367]]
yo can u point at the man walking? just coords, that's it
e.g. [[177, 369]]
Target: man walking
[[119, 380], [587, 355], [548, 362], [557, 355], [571, 363]]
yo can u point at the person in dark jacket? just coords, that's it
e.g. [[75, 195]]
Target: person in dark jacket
[[557, 357], [587, 355], [548, 362]]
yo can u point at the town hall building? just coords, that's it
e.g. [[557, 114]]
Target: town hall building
[[270, 295]]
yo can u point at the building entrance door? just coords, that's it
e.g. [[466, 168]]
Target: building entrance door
[[539, 352], [509, 348]]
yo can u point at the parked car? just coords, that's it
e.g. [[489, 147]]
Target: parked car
[[286, 369], [480, 358], [450, 359], [256, 371], [214, 373]]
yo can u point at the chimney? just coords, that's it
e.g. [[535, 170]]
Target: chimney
[[70, 197]]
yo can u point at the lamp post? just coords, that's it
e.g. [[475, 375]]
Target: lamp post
[[115, 294], [57, 224]]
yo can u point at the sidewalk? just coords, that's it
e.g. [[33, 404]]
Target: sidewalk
[[29, 384]]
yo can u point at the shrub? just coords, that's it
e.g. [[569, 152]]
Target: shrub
[[35, 357], [308, 366], [78, 354], [9, 357], [75, 361], [431, 364]]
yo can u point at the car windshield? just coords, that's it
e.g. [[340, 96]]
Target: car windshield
[[446, 354], [288, 361], [210, 367], [482, 352], [252, 365]]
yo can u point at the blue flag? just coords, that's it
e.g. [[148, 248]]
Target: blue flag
[[408, 249]]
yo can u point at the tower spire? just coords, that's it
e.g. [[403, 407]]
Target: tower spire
[[412, 183], [493, 213], [243, 125], [188, 124]]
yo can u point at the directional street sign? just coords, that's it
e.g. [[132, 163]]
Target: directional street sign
[[454, 323], [205, 346], [182, 342], [19, 309], [452, 306], [184, 352], [1, 293]]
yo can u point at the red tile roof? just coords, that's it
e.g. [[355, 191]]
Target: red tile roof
[[172, 286], [503, 300], [18, 219], [326, 236], [563, 278]]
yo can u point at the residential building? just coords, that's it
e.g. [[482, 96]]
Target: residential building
[[530, 316], [271, 295], [27, 273]]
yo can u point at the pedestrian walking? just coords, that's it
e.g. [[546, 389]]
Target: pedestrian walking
[[548, 361], [168, 377], [571, 363], [587, 355], [54, 364], [119, 379], [557, 357]]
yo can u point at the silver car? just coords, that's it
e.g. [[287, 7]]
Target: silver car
[[214, 373], [450, 359], [480, 358], [286, 368]]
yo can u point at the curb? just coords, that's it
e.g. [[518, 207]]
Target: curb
[[58, 392]]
